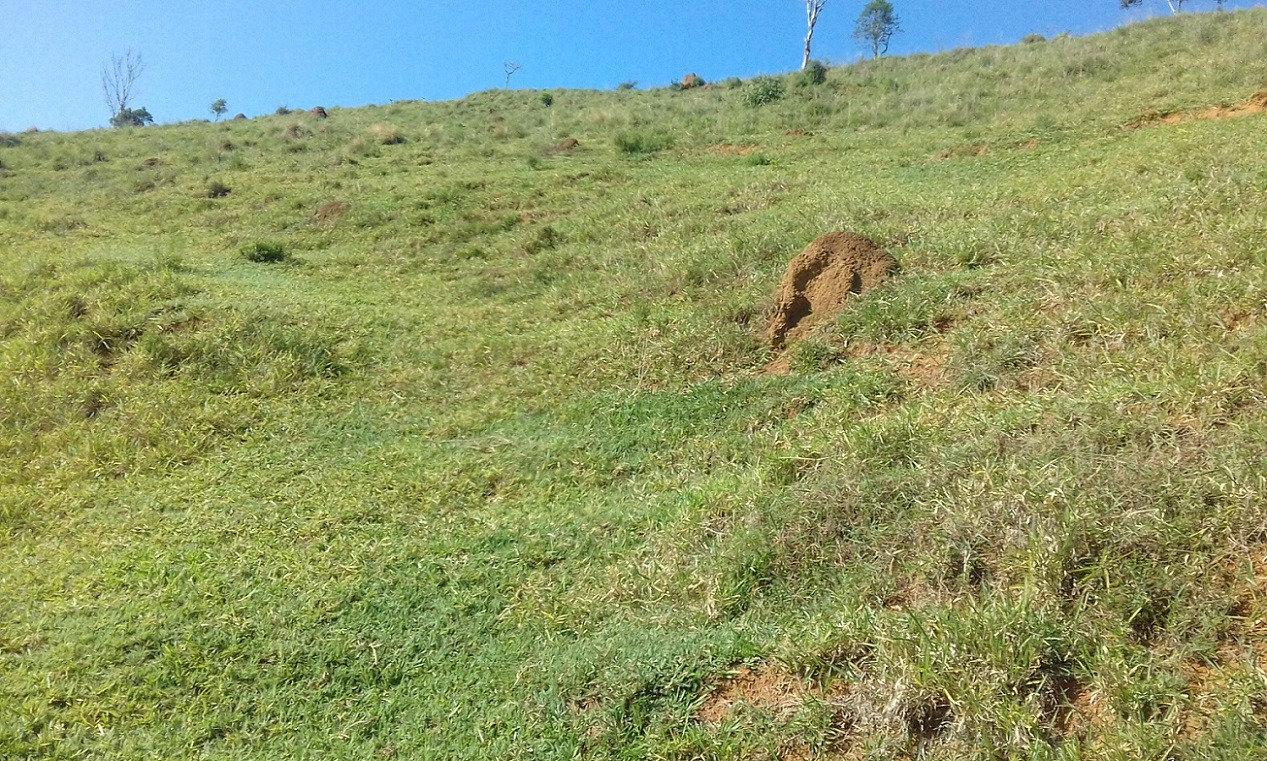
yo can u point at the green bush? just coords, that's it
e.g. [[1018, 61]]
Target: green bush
[[635, 142], [131, 117], [763, 91], [547, 99], [814, 73], [1031, 39], [217, 189], [627, 85], [264, 252], [733, 83]]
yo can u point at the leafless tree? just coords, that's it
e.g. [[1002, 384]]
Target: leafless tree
[[511, 67], [118, 79], [1175, 5], [812, 9]]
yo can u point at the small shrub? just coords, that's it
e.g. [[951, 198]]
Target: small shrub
[[1032, 39], [386, 134], [758, 159], [283, 111], [217, 189], [545, 239], [763, 91], [814, 73], [547, 99], [9, 140], [264, 252], [627, 85], [361, 148], [733, 83], [635, 142]]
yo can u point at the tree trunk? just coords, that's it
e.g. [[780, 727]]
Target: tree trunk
[[812, 9]]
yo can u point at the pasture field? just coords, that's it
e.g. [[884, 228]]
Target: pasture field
[[495, 460]]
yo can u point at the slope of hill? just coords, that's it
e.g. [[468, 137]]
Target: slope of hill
[[490, 463]]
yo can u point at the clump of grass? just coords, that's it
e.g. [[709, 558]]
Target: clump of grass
[[387, 134], [547, 99], [264, 252], [643, 142], [762, 91], [9, 140], [217, 189]]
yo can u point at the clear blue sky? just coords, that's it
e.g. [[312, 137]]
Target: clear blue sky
[[259, 55]]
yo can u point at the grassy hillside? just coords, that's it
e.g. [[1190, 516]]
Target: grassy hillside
[[491, 465]]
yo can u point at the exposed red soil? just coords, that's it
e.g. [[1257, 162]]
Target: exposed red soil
[[1255, 104], [769, 688], [819, 281], [735, 150]]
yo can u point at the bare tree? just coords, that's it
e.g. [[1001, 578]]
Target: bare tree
[[1175, 5], [511, 67], [812, 9], [118, 80]]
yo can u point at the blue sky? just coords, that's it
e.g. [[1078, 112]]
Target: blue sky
[[259, 55]]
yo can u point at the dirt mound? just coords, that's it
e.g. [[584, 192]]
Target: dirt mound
[[319, 112], [820, 280]]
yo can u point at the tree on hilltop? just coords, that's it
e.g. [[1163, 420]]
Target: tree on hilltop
[[118, 81], [812, 9], [1175, 5], [877, 25], [219, 107]]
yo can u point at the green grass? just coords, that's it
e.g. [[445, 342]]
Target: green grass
[[490, 465]]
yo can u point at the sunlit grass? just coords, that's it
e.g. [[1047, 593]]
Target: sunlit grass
[[489, 465]]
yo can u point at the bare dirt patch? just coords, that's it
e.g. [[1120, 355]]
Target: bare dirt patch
[[735, 150], [820, 280], [1255, 104], [768, 688]]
